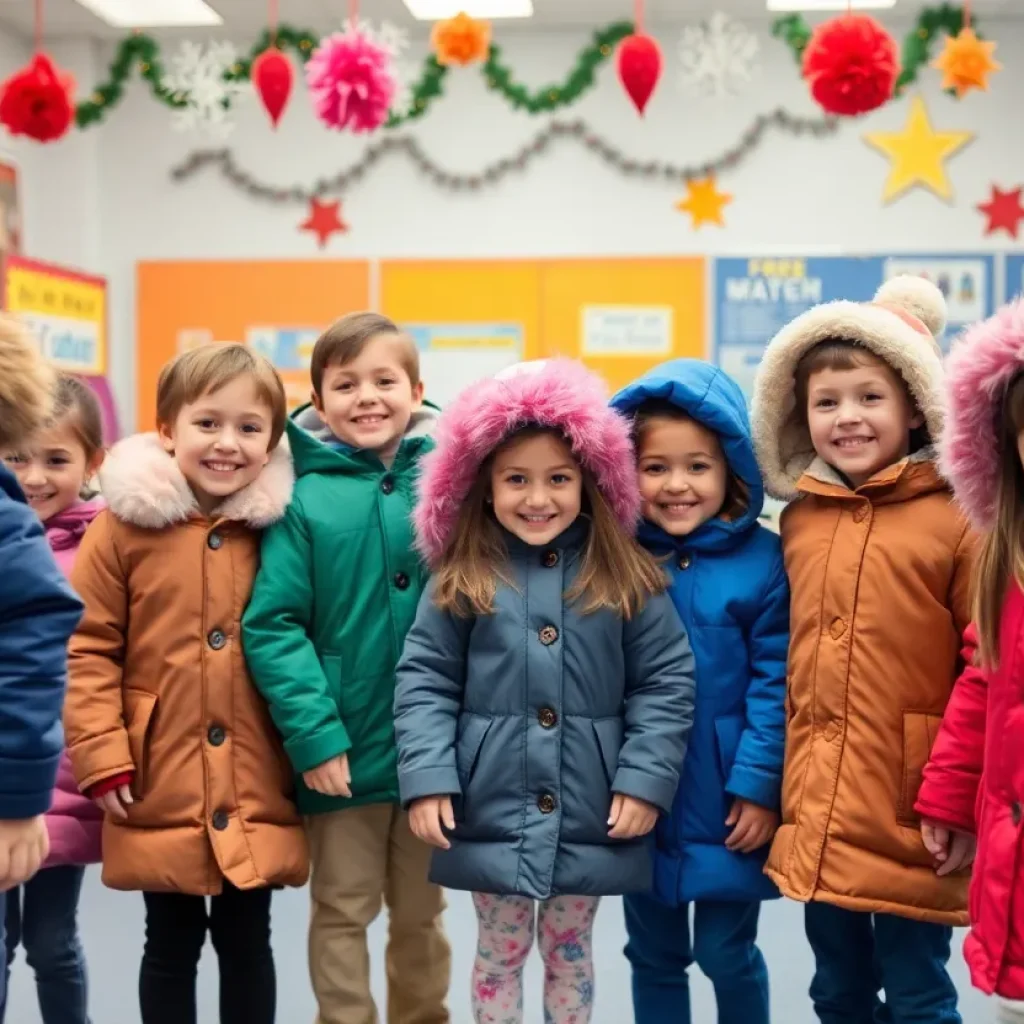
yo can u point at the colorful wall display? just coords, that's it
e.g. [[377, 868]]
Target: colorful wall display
[[11, 225], [754, 297], [1014, 276]]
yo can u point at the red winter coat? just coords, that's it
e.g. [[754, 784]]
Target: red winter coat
[[974, 782]]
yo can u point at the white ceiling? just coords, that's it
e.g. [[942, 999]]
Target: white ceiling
[[246, 17]]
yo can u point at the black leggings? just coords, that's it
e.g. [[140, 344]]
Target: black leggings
[[239, 926]]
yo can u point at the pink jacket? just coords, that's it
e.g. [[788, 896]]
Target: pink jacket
[[73, 821]]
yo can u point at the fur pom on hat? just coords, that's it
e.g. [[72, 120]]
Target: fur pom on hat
[[557, 393], [26, 383], [900, 327], [981, 366]]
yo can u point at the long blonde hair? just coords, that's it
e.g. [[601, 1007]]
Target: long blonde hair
[[1002, 552], [615, 572]]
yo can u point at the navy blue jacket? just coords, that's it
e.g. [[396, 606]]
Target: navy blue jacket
[[38, 613], [531, 718], [729, 587]]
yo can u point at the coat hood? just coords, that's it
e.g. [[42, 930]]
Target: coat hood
[[311, 440], [66, 529], [900, 326], [26, 383], [713, 399], [980, 368], [557, 393], [143, 486]]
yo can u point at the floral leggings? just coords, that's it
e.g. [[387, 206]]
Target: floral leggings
[[507, 925]]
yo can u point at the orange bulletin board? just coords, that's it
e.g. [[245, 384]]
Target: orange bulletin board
[[278, 307]]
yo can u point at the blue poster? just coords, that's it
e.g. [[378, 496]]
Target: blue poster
[[1014, 275], [755, 297]]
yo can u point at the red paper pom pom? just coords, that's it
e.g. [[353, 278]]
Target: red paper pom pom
[[851, 64], [273, 76], [639, 63], [36, 101]]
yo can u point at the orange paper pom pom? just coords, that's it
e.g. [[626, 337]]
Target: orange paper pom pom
[[966, 62], [461, 40]]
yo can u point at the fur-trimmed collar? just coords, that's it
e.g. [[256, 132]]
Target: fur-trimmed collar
[[143, 486]]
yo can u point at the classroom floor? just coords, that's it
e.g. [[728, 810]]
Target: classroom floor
[[112, 926]]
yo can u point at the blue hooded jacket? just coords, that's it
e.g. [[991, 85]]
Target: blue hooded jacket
[[730, 589]]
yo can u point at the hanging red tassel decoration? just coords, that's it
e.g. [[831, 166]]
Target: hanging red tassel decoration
[[639, 65], [37, 101], [851, 64], [273, 77]]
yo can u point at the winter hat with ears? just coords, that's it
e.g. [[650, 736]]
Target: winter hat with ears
[[558, 393], [900, 326]]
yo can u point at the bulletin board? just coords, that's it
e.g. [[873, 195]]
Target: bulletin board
[[278, 307]]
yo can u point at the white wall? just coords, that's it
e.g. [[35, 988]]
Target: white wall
[[104, 198]]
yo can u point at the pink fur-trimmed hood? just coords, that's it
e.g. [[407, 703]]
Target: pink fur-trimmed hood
[[979, 369], [143, 485], [557, 393]]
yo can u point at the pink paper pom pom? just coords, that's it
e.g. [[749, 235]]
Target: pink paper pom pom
[[352, 81]]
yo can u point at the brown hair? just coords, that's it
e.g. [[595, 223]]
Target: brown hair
[[210, 367], [1002, 551], [737, 493], [847, 354], [346, 338], [615, 572], [76, 404]]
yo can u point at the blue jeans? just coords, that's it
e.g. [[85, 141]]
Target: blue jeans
[[724, 947], [858, 955], [42, 915]]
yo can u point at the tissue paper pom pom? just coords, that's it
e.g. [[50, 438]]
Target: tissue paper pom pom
[[36, 101], [461, 40], [352, 81], [851, 64]]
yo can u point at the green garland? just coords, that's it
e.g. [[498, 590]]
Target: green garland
[[142, 53], [931, 23]]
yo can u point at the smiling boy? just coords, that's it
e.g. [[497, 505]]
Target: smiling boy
[[336, 594]]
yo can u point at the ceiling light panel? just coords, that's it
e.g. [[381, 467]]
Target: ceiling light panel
[[153, 13]]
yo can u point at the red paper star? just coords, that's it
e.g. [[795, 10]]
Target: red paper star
[[324, 220], [1004, 211]]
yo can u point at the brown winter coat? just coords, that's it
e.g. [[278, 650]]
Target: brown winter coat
[[158, 685]]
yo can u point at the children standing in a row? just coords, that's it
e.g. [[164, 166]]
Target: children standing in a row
[[53, 467], [164, 728], [546, 689]]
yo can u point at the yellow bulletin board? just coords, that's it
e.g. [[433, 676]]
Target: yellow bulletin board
[[277, 307], [621, 317]]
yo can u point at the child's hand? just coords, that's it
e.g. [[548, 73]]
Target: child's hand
[[631, 817], [24, 844], [332, 778], [426, 816], [752, 826], [952, 850], [115, 802]]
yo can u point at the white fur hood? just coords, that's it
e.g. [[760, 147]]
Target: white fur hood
[[143, 486]]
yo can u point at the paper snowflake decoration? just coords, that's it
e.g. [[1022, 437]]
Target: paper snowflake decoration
[[197, 76], [717, 57]]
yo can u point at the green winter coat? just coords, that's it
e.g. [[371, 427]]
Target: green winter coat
[[336, 593]]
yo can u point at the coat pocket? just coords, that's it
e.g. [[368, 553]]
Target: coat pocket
[[471, 739], [728, 733], [139, 708], [608, 732], [919, 732]]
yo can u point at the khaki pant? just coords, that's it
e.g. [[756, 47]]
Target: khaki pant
[[362, 858]]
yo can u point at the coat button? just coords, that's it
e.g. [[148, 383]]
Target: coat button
[[685, 561], [387, 485], [860, 514], [547, 717], [216, 735], [546, 803], [217, 639], [548, 635], [1015, 812], [401, 581], [837, 629], [220, 820], [214, 541], [550, 559]]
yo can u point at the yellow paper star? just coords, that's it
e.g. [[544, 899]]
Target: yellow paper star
[[966, 62], [704, 202], [918, 154]]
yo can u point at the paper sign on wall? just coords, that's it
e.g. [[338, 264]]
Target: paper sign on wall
[[627, 330]]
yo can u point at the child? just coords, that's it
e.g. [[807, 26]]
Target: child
[[847, 401], [546, 689], [54, 467], [336, 594], [38, 612], [702, 495], [164, 729], [974, 782]]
